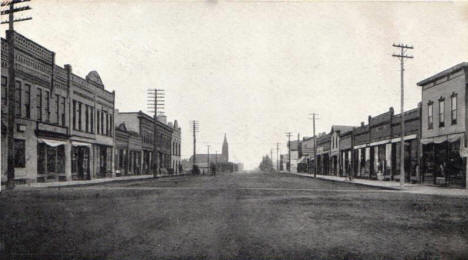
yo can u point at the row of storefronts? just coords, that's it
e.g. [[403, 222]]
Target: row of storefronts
[[435, 139], [65, 125]]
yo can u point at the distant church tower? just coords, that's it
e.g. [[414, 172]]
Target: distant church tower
[[225, 149]]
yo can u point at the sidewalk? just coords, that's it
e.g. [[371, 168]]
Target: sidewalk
[[87, 182], [392, 185]]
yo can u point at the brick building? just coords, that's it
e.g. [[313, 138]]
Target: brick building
[[63, 122], [376, 146]]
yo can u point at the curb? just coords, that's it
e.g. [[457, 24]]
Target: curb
[[72, 184], [345, 181]]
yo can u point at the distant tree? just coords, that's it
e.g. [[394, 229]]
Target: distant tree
[[266, 165]]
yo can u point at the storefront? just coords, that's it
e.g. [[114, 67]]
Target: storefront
[[441, 161], [147, 155], [50, 160], [80, 161], [103, 160]]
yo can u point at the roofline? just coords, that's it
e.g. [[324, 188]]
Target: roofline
[[443, 73]]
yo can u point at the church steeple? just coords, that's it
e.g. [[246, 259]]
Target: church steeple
[[225, 152]]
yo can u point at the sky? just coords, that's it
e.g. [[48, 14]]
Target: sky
[[253, 69]]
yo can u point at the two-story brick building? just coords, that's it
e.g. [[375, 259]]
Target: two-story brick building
[[62, 123]]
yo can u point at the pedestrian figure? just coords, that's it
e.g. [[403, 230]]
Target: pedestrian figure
[[442, 170], [350, 174]]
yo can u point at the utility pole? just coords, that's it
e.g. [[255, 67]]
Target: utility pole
[[11, 83], [314, 117], [402, 56], [271, 157], [208, 160], [195, 129], [155, 105], [288, 134], [277, 157]]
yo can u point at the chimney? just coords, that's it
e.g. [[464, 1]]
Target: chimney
[[362, 123]]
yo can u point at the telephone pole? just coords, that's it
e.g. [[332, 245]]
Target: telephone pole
[[208, 159], [402, 56], [195, 129], [289, 134], [155, 105], [314, 117], [277, 157], [271, 157], [10, 35]]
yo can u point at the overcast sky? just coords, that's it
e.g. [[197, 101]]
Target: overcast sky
[[253, 69]]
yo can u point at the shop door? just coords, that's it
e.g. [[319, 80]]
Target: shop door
[[83, 162]]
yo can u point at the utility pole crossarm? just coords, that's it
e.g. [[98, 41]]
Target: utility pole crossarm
[[17, 20], [14, 10], [12, 2], [402, 56]]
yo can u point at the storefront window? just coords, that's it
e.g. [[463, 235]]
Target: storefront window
[[51, 159], [41, 158]]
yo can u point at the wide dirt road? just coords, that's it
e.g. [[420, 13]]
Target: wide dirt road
[[231, 216]]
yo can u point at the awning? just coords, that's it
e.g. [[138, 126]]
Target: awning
[[303, 158], [440, 139], [50, 142], [75, 143], [455, 137]]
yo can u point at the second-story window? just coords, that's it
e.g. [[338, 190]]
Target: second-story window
[[453, 110], [47, 105], [442, 112], [107, 123], [91, 119], [39, 104], [62, 111], [87, 119], [57, 108], [27, 100], [98, 121], [18, 99], [430, 115], [79, 115], [102, 122], [74, 115]]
